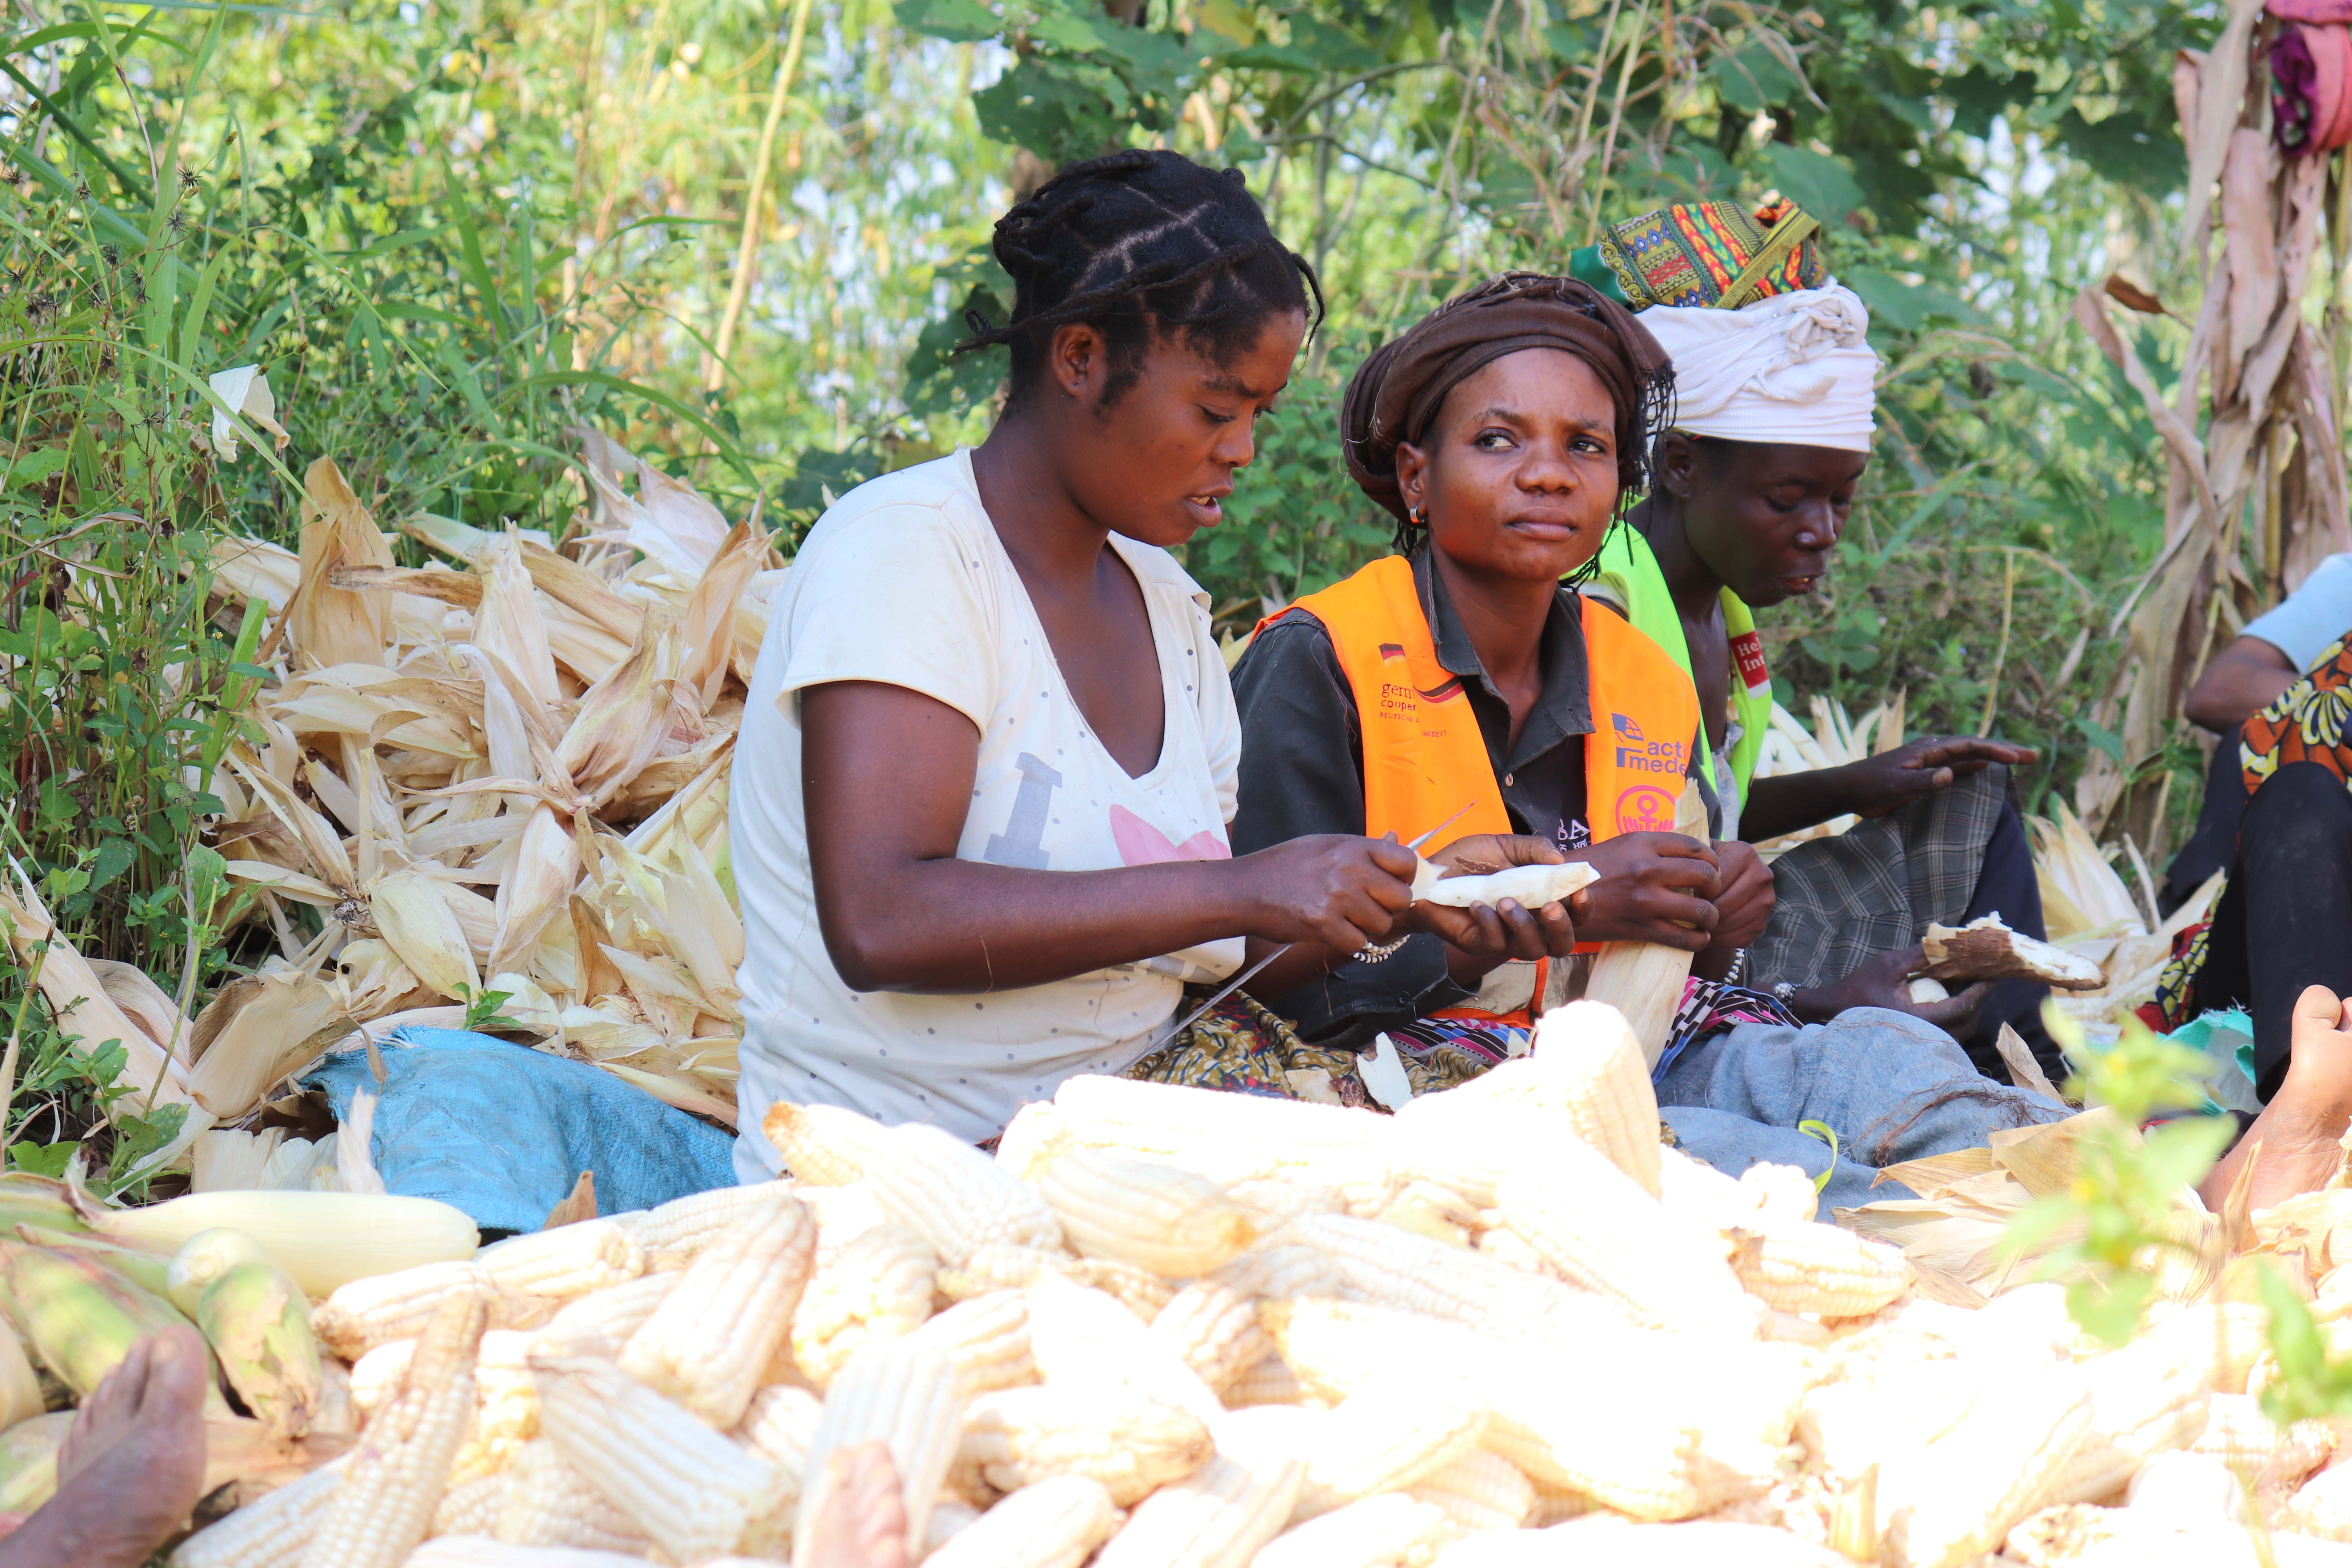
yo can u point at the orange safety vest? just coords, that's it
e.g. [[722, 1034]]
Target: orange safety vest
[[1425, 757]]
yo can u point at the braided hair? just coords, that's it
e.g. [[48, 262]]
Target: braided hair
[[1137, 240]]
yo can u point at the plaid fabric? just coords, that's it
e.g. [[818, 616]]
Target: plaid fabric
[[1879, 885], [1691, 254]]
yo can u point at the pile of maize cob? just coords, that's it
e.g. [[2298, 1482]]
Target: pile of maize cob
[[508, 775], [1161, 1327]]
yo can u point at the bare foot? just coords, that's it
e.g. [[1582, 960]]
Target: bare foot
[[2296, 1142], [132, 1468], [862, 1523]]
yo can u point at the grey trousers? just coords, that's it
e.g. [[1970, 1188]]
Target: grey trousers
[[1891, 1086]]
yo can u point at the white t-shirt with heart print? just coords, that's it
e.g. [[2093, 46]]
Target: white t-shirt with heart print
[[904, 581]]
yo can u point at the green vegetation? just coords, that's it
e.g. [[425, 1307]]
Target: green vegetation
[[450, 233]]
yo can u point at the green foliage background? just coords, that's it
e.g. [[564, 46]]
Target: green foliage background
[[450, 230]]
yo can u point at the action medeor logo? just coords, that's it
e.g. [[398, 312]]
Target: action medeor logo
[[1645, 809]]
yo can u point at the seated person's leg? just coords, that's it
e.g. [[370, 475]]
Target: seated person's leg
[[2215, 839], [2007, 887], [2295, 1144]]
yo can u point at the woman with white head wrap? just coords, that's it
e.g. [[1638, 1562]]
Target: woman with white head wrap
[[1774, 413]]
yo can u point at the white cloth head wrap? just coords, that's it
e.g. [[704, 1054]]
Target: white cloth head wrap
[[1793, 368]]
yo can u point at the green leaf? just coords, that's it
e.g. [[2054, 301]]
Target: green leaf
[[32, 468], [1908, 307], [939, 381], [2109, 1309], [1755, 76], [1823, 186], [114, 858], [2099, 736], [957, 21], [1065, 30], [43, 1160]]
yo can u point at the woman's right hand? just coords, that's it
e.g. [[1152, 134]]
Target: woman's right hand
[[1334, 889], [1654, 886]]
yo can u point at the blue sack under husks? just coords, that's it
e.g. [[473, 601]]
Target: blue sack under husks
[[502, 1131]]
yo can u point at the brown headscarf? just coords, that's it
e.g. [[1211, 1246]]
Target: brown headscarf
[[1397, 392]]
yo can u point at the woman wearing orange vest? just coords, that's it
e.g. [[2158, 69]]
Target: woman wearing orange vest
[[1458, 684]]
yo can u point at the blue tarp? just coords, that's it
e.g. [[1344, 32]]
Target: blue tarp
[[502, 1131]]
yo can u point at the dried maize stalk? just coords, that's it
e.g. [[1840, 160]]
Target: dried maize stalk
[[570, 1260], [693, 1492], [956, 1197], [876, 1287], [903, 1395], [1016, 1436], [1157, 1218], [987, 1339], [1055, 1523], [1218, 1517], [710, 1340], [393, 1480]]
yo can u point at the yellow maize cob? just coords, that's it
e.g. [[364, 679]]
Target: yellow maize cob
[[778, 1429], [370, 1312], [472, 1508], [271, 1532], [1947, 1503], [570, 1260], [1270, 1381], [710, 1342], [2238, 1434], [2145, 1401], [1035, 1137], [393, 1480], [1084, 1339], [1589, 1065], [876, 1287], [548, 1502], [999, 1267], [694, 1493], [1280, 1273], [987, 1338], [1401, 1428], [1480, 1490], [1227, 1137], [1213, 1328], [903, 1395], [1138, 1289], [1016, 1436], [679, 1227], [1807, 1266], [1157, 1218], [600, 1323], [1055, 1523], [1600, 1230], [1371, 1533], [842, 1214], [1218, 1517], [507, 1413], [1381, 1264], [823, 1145], [956, 1197], [483, 1551]]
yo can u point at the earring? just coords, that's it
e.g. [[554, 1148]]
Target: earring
[[1417, 516]]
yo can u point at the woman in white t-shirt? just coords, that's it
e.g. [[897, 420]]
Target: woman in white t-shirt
[[980, 801]]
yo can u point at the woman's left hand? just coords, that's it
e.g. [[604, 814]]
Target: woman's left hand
[[1885, 982], [1482, 937]]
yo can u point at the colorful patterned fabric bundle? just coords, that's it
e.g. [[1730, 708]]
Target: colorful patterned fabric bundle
[[1705, 253]]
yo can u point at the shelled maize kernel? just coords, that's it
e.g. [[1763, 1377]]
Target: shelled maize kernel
[[987, 1339], [1478, 1490], [823, 1145], [272, 1532], [778, 1429], [1055, 1523], [1016, 1436], [674, 1231], [568, 1261], [710, 1342], [1083, 1339], [904, 1395], [600, 1323], [1171, 1222], [394, 1479], [693, 1492], [1370, 1532], [1218, 1517], [955, 1197], [1213, 1328], [549, 1502], [369, 1312], [876, 1287]]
